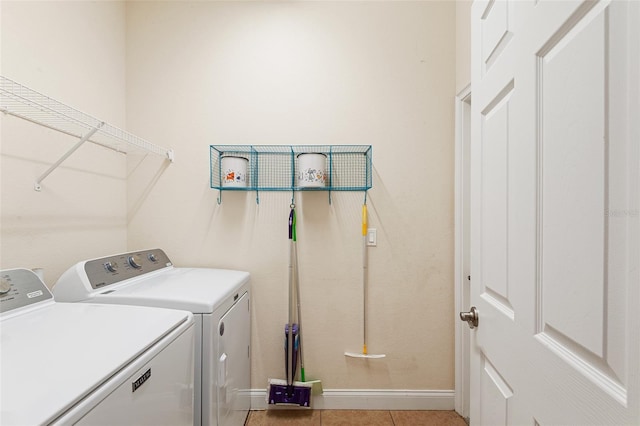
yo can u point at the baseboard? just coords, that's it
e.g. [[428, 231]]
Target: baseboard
[[370, 399]]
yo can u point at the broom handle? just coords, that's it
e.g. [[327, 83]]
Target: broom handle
[[297, 296], [365, 279], [290, 343]]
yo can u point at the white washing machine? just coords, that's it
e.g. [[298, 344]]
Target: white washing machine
[[219, 300], [70, 363]]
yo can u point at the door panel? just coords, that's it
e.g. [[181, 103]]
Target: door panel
[[496, 393], [495, 210], [495, 31], [573, 184], [555, 230], [577, 170]]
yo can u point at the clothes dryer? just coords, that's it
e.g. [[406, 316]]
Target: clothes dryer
[[219, 300], [70, 363]]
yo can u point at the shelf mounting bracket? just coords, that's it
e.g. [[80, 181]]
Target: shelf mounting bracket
[[66, 155]]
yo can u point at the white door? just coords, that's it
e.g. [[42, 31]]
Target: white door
[[555, 260]]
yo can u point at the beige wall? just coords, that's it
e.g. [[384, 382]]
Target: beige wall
[[463, 44], [379, 73], [200, 73], [74, 52]]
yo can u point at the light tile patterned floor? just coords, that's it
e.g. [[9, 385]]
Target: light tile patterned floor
[[353, 418]]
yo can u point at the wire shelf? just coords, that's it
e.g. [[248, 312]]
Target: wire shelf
[[275, 167], [21, 101]]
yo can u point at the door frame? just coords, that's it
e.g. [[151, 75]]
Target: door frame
[[461, 246]]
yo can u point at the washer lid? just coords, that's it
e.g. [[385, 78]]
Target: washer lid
[[198, 290], [55, 356]]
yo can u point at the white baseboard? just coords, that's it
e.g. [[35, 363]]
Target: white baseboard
[[370, 399]]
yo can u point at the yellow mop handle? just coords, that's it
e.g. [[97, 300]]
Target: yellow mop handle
[[364, 220]]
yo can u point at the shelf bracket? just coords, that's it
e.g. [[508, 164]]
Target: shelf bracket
[[73, 149]]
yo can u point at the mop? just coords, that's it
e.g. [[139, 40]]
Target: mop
[[289, 391], [365, 284]]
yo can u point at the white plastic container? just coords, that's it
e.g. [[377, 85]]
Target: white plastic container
[[312, 170], [234, 171]]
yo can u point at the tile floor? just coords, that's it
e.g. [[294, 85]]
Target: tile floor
[[353, 417]]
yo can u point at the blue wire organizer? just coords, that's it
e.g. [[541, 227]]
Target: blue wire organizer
[[275, 167]]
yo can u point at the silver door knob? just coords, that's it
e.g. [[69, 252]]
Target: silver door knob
[[470, 317]]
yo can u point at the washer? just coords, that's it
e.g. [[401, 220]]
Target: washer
[[70, 363], [219, 300]]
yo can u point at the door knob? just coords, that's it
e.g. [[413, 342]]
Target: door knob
[[470, 317]]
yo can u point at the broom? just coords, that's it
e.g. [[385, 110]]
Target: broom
[[291, 392]]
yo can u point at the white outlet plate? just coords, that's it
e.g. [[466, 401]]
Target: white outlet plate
[[372, 237]]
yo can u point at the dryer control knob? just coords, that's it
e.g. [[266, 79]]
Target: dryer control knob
[[111, 266], [5, 286], [135, 261], [152, 257]]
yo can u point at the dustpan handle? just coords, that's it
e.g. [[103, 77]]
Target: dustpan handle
[[292, 224], [292, 215]]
